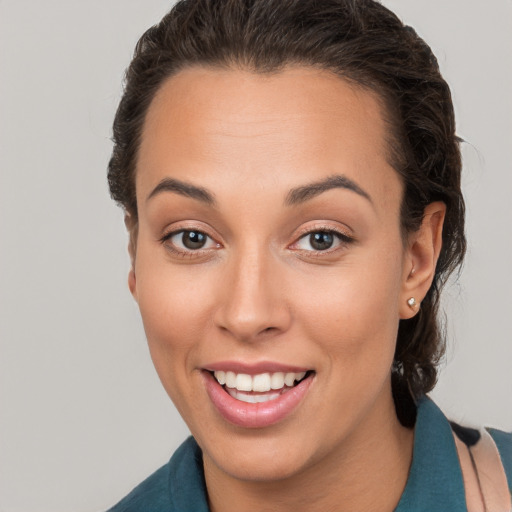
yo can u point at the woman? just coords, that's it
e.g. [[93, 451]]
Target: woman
[[290, 175]]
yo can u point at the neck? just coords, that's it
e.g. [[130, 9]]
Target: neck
[[368, 472]]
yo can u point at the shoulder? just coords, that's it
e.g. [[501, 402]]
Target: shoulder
[[442, 453], [152, 492], [501, 441], [177, 483]]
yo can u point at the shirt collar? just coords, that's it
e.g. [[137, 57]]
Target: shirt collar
[[186, 478], [435, 479]]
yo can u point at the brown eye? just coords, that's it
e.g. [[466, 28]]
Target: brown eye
[[321, 240], [188, 240], [193, 239]]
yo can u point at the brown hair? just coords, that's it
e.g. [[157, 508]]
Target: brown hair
[[361, 41]]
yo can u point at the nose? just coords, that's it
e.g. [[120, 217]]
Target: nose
[[252, 303]]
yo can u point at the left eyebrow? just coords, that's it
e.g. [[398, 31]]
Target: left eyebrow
[[306, 192], [183, 188]]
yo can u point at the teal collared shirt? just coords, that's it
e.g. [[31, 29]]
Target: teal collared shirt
[[434, 485]]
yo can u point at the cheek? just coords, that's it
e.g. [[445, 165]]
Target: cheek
[[175, 311], [353, 311], [175, 307], [167, 309]]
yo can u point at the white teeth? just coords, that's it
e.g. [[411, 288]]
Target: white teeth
[[289, 379], [243, 382], [230, 379], [261, 383], [221, 377], [252, 399], [277, 380]]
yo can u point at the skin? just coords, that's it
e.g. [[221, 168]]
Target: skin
[[258, 291]]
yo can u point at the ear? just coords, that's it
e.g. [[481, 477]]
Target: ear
[[132, 226], [424, 247]]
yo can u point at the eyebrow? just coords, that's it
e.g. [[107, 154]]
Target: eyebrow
[[184, 189], [305, 193], [294, 197]]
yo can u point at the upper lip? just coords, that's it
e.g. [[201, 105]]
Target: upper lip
[[254, 368]]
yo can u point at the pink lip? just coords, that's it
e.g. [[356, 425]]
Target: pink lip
[[258, 415], [253, 368]]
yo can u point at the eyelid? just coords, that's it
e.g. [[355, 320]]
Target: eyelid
[[186, 225], [182, 231], [342, 235], [184, 252], [324, 226]]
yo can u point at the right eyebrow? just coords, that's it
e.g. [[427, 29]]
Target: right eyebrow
[[184, 189], [306, 192]]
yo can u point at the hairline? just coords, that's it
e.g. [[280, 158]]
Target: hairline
[[394, 153]]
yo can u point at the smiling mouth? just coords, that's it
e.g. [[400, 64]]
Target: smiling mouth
[[259, 388]]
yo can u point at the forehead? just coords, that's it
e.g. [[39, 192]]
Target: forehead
[[297, 125]]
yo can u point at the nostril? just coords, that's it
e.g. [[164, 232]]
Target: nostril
[[269, 331]]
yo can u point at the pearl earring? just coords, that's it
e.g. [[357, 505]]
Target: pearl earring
[[412, 303]]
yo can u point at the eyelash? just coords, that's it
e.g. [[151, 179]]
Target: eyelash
[[342, 238], [183, 252]]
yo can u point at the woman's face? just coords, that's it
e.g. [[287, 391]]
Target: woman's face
[[269, 244]]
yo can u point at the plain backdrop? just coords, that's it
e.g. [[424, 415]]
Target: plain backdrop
[[83, 417]]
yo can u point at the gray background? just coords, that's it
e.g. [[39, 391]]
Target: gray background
[[83, 417]]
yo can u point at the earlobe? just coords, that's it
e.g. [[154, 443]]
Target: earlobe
[[132, 283], [421, 259], [132, 226]]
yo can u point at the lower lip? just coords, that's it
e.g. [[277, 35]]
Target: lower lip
[[259, 415]]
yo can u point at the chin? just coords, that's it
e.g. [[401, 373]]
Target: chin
[[259, 461]]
